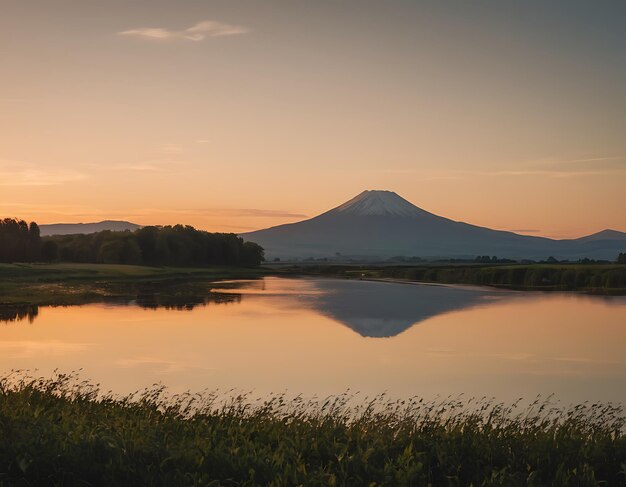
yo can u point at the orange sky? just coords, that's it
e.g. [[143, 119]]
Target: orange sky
[[237, 115]]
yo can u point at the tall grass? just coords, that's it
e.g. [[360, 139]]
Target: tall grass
[[610, 278], [59, 431]]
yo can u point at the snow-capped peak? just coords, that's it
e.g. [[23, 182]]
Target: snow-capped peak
[[378, 202]]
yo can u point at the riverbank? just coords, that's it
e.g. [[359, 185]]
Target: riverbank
[[66, 284], [62, 431], [588, 278]]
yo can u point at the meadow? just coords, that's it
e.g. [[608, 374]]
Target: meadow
[[60, 431], [76, 283]]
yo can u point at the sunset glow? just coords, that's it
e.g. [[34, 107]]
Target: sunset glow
[[234, 116]]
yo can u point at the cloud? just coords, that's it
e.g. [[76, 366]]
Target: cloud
[[171, 148], [75, 213], [596, 165], [138, 167], [549, 167], [13, 173], [160, 165], [197, 32], [247, 212], [221, 212]]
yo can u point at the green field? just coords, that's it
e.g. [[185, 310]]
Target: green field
[[62, 432], [78, 283]]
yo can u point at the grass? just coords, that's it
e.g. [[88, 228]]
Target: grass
[[65, 284], [592, 278], [59, 431]]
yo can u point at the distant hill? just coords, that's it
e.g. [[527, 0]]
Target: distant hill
[[73, 228], [604, 235], [381, 224]]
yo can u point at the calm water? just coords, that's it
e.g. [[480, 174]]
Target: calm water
[[323, 336]]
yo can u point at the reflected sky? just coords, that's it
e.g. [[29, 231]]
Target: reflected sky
[[325, 336], [380, 309]]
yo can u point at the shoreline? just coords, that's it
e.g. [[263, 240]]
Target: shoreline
[[603, 280], [72, 284], [476, 287]]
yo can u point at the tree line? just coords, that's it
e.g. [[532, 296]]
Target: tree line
[[19, 241], [178, 245]]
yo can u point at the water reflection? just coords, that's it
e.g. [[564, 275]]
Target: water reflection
[[287, 334], [371, 309], [183, 302], [388, 309], [150, 297], [10, 313], [375, 310]]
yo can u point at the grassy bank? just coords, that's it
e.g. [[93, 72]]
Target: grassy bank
[[609, 278], [63, 284], [55, 432]]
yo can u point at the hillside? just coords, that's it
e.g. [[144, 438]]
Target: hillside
[[74, 228]]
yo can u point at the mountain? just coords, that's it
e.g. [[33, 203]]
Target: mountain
[[72, 228], [604, 235], [381, 224]]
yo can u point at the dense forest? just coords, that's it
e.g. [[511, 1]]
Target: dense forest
[[177, 245]]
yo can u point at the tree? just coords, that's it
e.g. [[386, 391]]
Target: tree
[[621, 258], [34, 242], [18, 241], [49, 251], [179, 245], [252, 254]]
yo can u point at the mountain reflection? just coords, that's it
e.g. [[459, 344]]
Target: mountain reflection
[[377, 309], [371, 309]]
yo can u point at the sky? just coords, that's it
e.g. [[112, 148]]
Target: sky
[[235, 115]]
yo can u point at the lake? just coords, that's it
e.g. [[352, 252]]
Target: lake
[[325, 336]]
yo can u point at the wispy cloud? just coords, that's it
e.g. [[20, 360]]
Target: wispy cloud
[[14, 173], [549, 167], [248, 212], [197, 32], [138, 167], [73, 213], [171, 149], [157, 165], [221, 212]]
